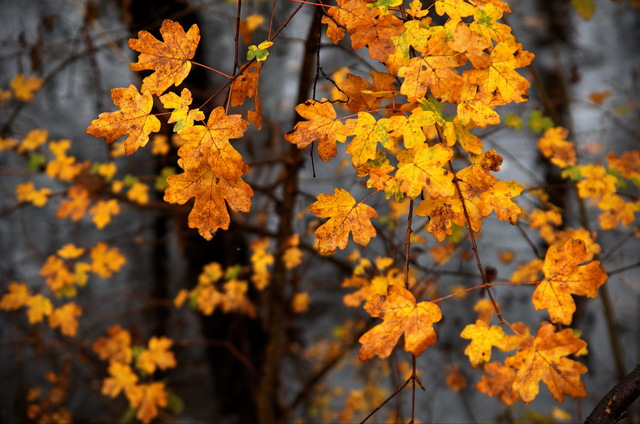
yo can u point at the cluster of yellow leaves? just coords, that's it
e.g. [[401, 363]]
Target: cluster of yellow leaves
[[540, 358], [124, 359], [470, 62], [218, 288], [212, 166], [63, 273], [595, 181]]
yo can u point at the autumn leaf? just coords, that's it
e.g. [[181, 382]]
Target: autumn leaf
[[260, 261], [499, 382], [421, 169], [500, 83], [24, 89], [104, 261], [38, 308], [157, 355], [134, 118], [483, 338], [170, 59], [564, 276], [26, 192], [401, 316], [499, 199], [369, 132], [16, 298], [65, 317], [345, 216], [246, 86], [368, 26], [364, 96], [182, 116], [57, 274], [152, 396], [122, 378], [322, 125], [210, 143], [546, 361], [116, 347], [212, 195], [553, 145], [102, 212]]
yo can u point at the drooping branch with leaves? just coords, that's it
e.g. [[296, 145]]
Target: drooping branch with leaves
[[410, 133]]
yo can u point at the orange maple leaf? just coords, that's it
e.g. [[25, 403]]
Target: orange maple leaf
[[65, 317], [152, 396], [500, 382], [38, 308], [134, 118], [401, 315], [364, 96], [345, 216], [16, 298], [210, 143], [246, 86], [546, 360], [483, 338], [122, 379], [104, 261], [116, 347], [368, 26], [212, 195], [322, 125], [170, 59], [553, 145], [565, 276], [157, 355]]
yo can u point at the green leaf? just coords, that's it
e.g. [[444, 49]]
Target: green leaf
[[584, 8], [539, 123], [512, 120], [36, 161]]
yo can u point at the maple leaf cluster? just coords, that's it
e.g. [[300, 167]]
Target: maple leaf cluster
[[469, 62], [63, 273], [212, 166], [124, 359]]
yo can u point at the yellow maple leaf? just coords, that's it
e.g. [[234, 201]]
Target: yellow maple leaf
[[345, 216], [122, 378], [116, 347], [38, 308], [597, 183], [70, 251], [152, 396], [182, 116], [157, 355], [401, 316], [292, 256], [322, 125], [564, 276], [24, 89], [553, 145], [26, 192], [212, 195], [170, 59], [33, 140], [102, 212], [16, 298], [139, 193], [208, 298], [483, 338], [65, 317], [421, 168], [616, 211], [57, 274], [134, 118], [545, 360], [104, 261]]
